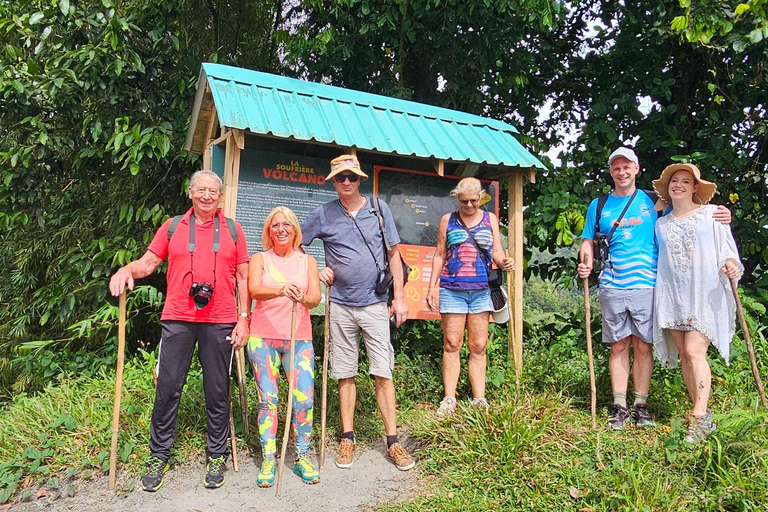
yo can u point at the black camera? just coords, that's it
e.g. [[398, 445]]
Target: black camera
[[602, 249], [201, 294]]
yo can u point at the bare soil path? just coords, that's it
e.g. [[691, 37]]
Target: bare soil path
[[373, 479]]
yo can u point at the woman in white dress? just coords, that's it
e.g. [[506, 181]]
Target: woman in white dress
[[694, 305]]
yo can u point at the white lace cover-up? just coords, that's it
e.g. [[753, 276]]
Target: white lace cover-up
[[692, 292]]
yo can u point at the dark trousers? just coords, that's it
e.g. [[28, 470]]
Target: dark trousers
[[215, 353]]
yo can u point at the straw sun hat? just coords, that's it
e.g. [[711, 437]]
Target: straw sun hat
[[703, 195]]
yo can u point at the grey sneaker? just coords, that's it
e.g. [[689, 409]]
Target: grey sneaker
[[153, 479], [480, 403], [214, 476], [619, 417], [699, 427], [446, 408], [642, 416]]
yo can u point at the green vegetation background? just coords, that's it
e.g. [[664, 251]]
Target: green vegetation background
[[95, 97]]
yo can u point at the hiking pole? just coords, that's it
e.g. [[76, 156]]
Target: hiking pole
[[291, 373], [748, 340], [241, 385], [232, 436], [118, 390], [326, 350], [588, 321]]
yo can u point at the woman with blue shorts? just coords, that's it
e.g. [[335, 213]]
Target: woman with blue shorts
[[464, 295]]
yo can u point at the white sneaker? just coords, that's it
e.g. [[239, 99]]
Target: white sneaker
[[447, 407], [480, 403]]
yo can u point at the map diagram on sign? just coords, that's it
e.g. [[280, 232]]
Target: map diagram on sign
[[418, 200]]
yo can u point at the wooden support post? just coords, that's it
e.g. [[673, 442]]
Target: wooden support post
[[440, 167], [231, 177], [515, 250]]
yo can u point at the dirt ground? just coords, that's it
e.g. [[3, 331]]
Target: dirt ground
[[372, 480]]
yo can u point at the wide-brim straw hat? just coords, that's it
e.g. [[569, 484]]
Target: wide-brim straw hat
[[345, 163], [703, 195]]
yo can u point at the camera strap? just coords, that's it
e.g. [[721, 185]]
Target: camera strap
[[216, 243]]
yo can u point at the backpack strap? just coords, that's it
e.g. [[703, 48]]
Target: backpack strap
[[174, 223], [600, 204], [653, 196]]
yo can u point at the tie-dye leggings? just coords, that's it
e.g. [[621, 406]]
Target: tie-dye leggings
[[266, 355]]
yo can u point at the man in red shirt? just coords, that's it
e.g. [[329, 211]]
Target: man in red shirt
[[207, 280]]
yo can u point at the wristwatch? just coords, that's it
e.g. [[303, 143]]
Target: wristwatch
[[244, 314]]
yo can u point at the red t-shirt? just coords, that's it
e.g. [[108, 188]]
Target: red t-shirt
[[222, 308]]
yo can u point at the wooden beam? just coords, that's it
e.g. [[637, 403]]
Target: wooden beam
[[239, 139], [353, 151], [207, 157], [530, 173], [213, 124], [515, 285], [440, 167], [231, 175]]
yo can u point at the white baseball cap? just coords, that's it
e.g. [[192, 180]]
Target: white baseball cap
[[626, 153]]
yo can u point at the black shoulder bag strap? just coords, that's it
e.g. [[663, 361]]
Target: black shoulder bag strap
[[385, 238], [365, 241], [474, 242], [621, 216]]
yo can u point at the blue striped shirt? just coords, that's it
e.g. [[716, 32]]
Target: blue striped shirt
[[633, 246]]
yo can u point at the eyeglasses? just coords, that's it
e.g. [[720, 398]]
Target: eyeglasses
[[339, 178], [213, 192], [281, 225], [469, 201]]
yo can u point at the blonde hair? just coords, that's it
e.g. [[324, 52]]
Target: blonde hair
[[290, 217], [468, 186]]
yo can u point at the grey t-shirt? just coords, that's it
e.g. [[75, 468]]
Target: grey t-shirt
[[345, 251]]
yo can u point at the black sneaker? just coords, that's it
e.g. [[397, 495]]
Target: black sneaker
[[214, 476], [642, 416], [153, 479], [619, 416]]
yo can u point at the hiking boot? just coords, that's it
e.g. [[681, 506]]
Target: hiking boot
[[346, 450], [400, 457], [699, 427], [214, 476], [266, 476], [619, 416], [153, 479], [480, 403], [446, 408], [642, 416], [304, 468]]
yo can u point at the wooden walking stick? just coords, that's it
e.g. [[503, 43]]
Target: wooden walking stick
[[291, 373], [233, 437], [118, 390], [750, 348], [326, 350], [241, 385], [588, 321]]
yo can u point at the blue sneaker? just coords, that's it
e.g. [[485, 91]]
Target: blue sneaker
[[266, 476], [304, 468]]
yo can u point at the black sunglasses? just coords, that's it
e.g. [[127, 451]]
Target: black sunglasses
[[339, 178]]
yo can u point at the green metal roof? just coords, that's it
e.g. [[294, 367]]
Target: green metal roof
[[283, 107]]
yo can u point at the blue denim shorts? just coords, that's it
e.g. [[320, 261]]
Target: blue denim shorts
[[465, 301]]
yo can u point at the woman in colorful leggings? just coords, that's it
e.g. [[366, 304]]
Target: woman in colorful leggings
[[278, 278]]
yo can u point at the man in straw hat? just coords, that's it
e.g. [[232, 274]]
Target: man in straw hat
[[626, 288], [355, 258]]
